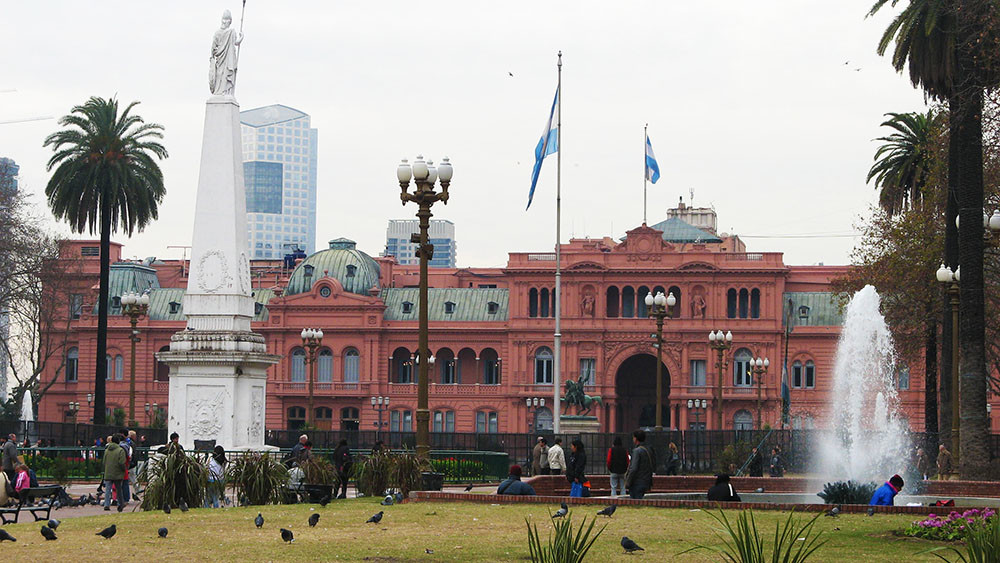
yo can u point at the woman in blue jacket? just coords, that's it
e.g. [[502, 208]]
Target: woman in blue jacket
[[887, 492]]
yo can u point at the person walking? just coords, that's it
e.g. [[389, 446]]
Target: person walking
[[344, 463], [216, 477], [576, 470], [944, 467], [639, 477], [9, 460], [617, 463], [777, 468], [557, 459], [673, 459], [513, 485], [923, 464], [536, 456], [114, 472], [544, 461], [126, 493]]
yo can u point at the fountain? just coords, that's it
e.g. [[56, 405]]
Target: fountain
[[27, 413], [869, 440]]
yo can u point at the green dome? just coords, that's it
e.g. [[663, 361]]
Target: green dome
[[355, 270]]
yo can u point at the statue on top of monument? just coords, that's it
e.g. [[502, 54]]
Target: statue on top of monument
[[225, 54]]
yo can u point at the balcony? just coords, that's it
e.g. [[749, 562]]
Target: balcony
[[324, 388], [439, 389]]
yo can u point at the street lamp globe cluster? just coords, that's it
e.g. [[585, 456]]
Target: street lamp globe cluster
[[720, 342], [425, 176], [660, 307], [134, 306], [759, 366], [380, 404], [312, 339]]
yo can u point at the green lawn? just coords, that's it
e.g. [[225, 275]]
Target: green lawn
[[454, 531]]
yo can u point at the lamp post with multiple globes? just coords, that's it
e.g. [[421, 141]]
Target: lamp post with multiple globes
[[760, 366], [134, 306], [659, 307], [312, 339], [720, 342], [380, 404]]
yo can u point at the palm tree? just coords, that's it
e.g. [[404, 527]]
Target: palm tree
[[902, 164], [106, 178]]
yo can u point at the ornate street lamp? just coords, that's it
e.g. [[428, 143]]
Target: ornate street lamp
[[660, 307], [425, 175], [380, 404], [312, 339], [74, 409], [952, 279], [537, 403], [134, 306], [720, 342], [759, 370]]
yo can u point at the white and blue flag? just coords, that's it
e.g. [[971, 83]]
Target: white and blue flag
[[652, 168], [548, 144]]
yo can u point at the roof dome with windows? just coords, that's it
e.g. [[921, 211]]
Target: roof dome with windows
[[356, 271]]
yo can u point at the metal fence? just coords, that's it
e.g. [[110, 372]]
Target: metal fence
[[68, 434]]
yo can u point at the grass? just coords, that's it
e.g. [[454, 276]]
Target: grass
[[454, 531]]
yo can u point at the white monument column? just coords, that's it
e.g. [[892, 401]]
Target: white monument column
[[218, 367]]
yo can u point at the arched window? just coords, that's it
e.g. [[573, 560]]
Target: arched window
[[532, 302], [731, 304], [543, 365], [744, 303], [487, 422], [543, 298], [797, 374], [324, 366], [119, 367], [352, 365], [296, 417], [743, 420], [543, 419], [810, 374], [491, 366], [612, 304], [640, 302], [755, 303], [298, 365], [552, 296], [162, 369], [675, 311], [349, 419], [742, 375], [402, 366], [446, 360], [72, 365], [628, 302], [465, 366], [444, 421], [109, 367]]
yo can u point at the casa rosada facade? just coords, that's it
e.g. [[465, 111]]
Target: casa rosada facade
[[491, 334]]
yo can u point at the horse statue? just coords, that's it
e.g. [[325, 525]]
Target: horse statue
[[575, 395]]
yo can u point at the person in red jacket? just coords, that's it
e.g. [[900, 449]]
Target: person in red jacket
[[618, 459]]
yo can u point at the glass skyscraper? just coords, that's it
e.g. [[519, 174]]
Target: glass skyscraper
[[441, 235], [279, 171]]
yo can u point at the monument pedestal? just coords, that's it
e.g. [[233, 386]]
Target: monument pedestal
[[576, 424]]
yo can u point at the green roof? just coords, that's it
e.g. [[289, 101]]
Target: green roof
[[355, 270], [470, 304], [824, 308], [127, 277], [675, 230], [160, 300]]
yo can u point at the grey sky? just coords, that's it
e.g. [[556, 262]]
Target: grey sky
[[750, 104]]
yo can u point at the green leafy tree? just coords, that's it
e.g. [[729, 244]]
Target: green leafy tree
[[105, 177], [902, 164]]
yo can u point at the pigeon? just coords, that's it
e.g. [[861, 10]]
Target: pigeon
[[313, 520], [325, 500], [629, 546], [398, 497], [54, 524], [563, 511], [429, 551], [835, 511], [107, 533], [166, 507], [608, 511], [4, 536], [183, 505], [259, 520], [48, 533], [511, 74], [287, 535], [469, 488], [162, 532], [871, 510], [376, 518], [387, 501]]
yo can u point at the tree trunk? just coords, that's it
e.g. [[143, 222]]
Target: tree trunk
[[968, 136], [930, 379], [950, 260], [100, 373]]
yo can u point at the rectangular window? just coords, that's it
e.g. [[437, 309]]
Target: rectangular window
[[810, 374], [903, 377], [587, 371], [438, 421], [797, 375], [407, 421], [75, 305], [90, 251], [394, 421], [697, 373], [352, 367], [487, 423]]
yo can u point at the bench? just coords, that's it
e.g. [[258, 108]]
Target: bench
[[46, 492]]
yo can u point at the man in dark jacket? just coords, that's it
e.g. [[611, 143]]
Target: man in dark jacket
[[756, 464], [885, 494], [10, 458], [576, 469], [617, 466], [343, 462], [723, 490], [639, 477], [513, 485], [114, 472]]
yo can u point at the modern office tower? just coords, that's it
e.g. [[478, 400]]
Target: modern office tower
[[279, 170], [442, 236]]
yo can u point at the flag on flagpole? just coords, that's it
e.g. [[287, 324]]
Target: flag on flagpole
[[652, 168], [547, 145], [786, 398]]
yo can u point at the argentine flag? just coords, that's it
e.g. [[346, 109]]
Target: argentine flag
[[548, 144], [652, 168]]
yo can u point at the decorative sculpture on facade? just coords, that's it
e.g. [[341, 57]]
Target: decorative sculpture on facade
[[698, 307]]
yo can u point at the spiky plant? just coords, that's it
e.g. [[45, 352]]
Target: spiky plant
[[257, 478], [566, 545], [171, 477]]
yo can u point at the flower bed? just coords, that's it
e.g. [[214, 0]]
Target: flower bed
[[951, 527]]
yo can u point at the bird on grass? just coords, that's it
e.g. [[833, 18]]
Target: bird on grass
[[166, 507], [387, 501], [53, 523], [4, 536], [183, 505], [835, 511], [313, 520], [871, 510], [469, 488], [608, 511], [48, 533], [376, 518], [108, 533], [429, 551], [162, 532], [259, 520], [287, 535], [325, 500], [563, 511], [629, 546]]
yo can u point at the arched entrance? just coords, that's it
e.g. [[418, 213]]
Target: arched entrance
[[635, 391]]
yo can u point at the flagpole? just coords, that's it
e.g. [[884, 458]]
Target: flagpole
[[558, 336], [645, 135]]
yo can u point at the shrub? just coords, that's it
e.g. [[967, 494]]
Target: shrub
[[744, 544], [982, 543], [257, 478], [455, 469], [847, 492], [407, 472], [59, 471], [171, 477], [567, 546], [375, 473], [318, 471], [955, 526], [732, 457]]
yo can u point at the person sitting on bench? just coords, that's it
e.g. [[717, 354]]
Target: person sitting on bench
[[723, 490], [23, 480]]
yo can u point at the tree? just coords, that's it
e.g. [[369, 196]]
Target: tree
[[106, 178], [902, 164]]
